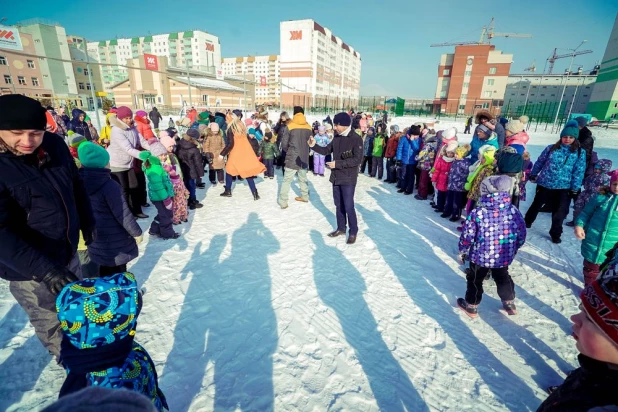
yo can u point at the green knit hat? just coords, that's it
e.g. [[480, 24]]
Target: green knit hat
[[93, 155], [571, 128], [76, 139], [87, 118]]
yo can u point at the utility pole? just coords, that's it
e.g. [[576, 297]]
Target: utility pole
[[92, 95], [565, 81], [188, 78]]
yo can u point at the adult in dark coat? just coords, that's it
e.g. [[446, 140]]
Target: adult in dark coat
[[586, 141], [191, 164], [347, 150], [155, 117], [43, 206], [281, 129], [294, 144], [78, 125]]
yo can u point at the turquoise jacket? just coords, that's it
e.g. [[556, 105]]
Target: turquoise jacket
[[159, 184], [600, 221]]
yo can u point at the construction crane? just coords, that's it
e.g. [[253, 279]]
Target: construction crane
[[487, 34], [532, 68], [552, 59]]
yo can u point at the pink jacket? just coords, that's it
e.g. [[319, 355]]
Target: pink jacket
[[440, 174], [520, 138], [439, 153]]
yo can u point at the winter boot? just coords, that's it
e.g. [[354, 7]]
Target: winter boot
[[570, 224], [256, 196], [470, 310], [509, 307], [226, 193]]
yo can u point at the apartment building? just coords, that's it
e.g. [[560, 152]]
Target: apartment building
[[265, 71]]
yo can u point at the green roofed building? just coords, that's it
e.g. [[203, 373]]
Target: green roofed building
[[604, 100]]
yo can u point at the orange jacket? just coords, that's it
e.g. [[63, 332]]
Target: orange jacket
[[143, 127]]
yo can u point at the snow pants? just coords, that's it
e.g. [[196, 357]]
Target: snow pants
[[454, 203], [366, 162], [318, 163], [557, 200], [591, 271], [391, 170], [423, 184], [40, 306], [162, 223], [409, 178], [377, 167], [476, 276]]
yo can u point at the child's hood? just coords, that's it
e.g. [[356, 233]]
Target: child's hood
[[99, 311], [605, 165], [495, 201]]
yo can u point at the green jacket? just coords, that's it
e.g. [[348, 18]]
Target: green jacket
[[378, 146], [159, 183], [268, 150], [600, 221]]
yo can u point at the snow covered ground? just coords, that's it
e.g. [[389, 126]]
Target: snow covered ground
[[253, 308]]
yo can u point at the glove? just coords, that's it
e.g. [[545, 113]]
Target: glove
[[139, 239], [347, 154], [461, 258], [57, 278], [168, 203]]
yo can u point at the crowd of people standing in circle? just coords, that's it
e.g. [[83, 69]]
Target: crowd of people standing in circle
[[70, 198]]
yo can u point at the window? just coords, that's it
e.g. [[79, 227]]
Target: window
[[490, 82], [446, 72], [485, 105], [81, 86], [7, 79], [492, 70], [21, 80], [35, 81], [85, 72], [3, 61], [88, 87], [462, 107], [468, 73], [466, 85], [30, 64], [205, 98], [487, 94], [442, 94]]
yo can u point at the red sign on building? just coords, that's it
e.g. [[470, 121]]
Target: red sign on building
[[210, 47], [262, 81], [151, 62], [296, 35]]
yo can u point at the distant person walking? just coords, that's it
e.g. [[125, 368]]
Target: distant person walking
[[468, 125], [155, 117], [294, 144]]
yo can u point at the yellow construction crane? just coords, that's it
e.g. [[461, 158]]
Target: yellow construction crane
[[487, 34]]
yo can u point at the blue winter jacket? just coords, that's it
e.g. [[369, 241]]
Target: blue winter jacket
[[407, 150], [368, 145], [560, 169], [116, 227], [477, 143], [77, 126]]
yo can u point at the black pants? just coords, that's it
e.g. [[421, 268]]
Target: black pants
[[391, 175], [270, 171], [558, 202], [441, 203], [366, 162], [111, 270], [377, 167], [162, 223], [454, 203], [131, 195], [343, 195], [476, 276], [215, 174], [467, 130], [141, 187], [409, 178]]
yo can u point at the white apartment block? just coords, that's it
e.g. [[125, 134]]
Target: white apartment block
[[194, 49], [264, 70], [317, 67]]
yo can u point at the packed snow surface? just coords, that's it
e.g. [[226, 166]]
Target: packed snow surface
[[254, 308]]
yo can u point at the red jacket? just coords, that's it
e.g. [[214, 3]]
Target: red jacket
[[143, 127], [440, 174], [391, 147]]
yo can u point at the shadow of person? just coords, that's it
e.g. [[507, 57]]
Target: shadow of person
[[11, 324], [410, 261], [316, 201], [341, 287], [227, 320]]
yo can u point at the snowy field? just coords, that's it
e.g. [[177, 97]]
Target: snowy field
[[253, 308]]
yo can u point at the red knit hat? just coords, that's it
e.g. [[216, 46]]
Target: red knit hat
[[124, 111], [600, 300]]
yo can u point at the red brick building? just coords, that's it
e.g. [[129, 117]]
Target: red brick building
[[472, 78]]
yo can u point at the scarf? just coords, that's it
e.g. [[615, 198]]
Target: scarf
[[447, 159]]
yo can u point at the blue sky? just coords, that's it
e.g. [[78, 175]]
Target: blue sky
[[393, 36]]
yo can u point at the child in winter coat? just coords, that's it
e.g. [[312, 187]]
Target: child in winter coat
[[99, 317], [426, 160], [213, 146], [598, 179], [269, 152], [142, 123], [491, 236], [457, 182], [516, 135], [391, 157], [319, 161], [407, 152], [377, 161], [180, 212], [93, 130], [191, 164], [254, 141], [597, 226], [367, 150], [592, 386], [171, 124], [527, 168], [161, 193], [106, 132], [483, 168], [115, 244], [440, 177]]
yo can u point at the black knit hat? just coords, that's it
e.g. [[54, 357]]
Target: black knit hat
[[298, 109], [342, 119], [415, 130], [18, 112]]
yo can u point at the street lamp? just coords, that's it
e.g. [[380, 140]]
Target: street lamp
[[566, 80]]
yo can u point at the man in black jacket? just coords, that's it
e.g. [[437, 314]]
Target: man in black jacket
[[155, 117], [586, 141], [347, 150], [43, 206]]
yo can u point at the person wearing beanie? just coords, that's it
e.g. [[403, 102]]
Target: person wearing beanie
[[155, 117], [253, 141], [377, 153], [212, 148], [440, 178], [516, 135], [269, 151], [241, 159], [391, 155], [75, 139], [117, 230], [125, 145], [78, 124], [347, 151], [294, 144], [298, 109], [191, 164], [558, 173], [142, 123], [238, 113], [491, 236], [592, 386], [38, 253], [94, 135], [367, 150], [593, 185], [407, 151], [426, 161], [586, 141], [486, 119], [479, 170], [456, 183], [171, 164], [319, 161], [483, 135]]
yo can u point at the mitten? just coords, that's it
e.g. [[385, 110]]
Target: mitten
[[139, 239], [461, 258], [57, 278], [168, 203]]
